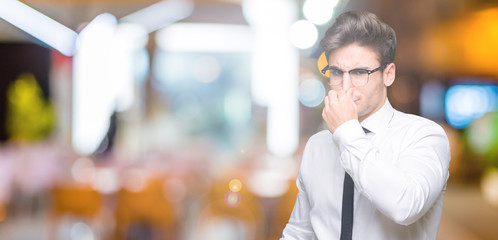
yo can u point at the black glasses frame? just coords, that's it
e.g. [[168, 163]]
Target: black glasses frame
[[324, 70]]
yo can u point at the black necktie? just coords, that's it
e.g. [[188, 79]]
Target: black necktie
[[347, 206]]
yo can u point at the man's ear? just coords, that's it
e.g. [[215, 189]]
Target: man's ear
[[389, 74]]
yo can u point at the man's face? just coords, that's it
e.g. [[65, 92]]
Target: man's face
[[370, 97]]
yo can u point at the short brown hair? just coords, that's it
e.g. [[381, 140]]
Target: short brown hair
[[363, 28]]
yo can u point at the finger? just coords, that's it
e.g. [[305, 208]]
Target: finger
[[332, 94], [341, 95], [325, 109], [350, 93]]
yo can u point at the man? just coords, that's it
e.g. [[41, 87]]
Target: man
[[376, 173]]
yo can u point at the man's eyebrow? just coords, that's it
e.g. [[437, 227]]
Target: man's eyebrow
[[356, 68], [335, 68]]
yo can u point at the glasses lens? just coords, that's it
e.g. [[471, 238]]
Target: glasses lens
[[359, 77], [335, 79]]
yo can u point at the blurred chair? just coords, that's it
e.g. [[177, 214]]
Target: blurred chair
[[145, 214], [77, 200], [70, 203], [228, 215]]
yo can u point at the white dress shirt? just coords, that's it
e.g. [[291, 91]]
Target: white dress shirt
[[399, 169]]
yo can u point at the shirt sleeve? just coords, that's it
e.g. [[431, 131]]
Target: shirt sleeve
[[403, 183], [299, 225]]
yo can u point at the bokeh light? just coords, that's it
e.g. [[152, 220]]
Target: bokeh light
[[235, 185], [483, 134], [232, 199], [81, 231], [319, 11], [106, 180], [311, 92], [489, 186], [465, 103], [303, 34], [83, 170]]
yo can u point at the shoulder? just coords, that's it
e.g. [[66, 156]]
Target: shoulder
[[319, 149], [318, 144], [418, 133], [415, 120], [417, 125], [321, 137]]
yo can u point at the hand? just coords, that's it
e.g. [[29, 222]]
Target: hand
[[339, 108]]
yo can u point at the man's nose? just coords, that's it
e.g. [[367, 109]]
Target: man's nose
[[346, 81]]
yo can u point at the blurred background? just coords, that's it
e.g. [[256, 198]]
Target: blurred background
[[186, 119]]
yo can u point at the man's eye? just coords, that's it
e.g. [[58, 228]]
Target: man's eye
[[336, 72], [359, 72]]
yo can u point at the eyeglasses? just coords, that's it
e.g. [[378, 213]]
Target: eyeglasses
[[359, 77]]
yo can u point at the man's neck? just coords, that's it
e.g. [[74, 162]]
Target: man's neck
[[361, 118]]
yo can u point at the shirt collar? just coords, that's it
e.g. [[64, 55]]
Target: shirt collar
[[379, 119]]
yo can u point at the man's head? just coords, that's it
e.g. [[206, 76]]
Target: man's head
[[360, 51]]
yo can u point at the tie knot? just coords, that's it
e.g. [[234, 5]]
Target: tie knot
[[365, 130]]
